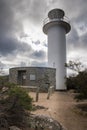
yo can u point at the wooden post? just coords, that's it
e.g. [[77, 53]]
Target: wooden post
[[37, 94], [48, 96]]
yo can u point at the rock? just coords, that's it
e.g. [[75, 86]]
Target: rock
[[37, 107], [3, 123], [44, 122], [14, 128]]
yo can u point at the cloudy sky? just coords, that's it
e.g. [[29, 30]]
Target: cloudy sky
[[22, 41]]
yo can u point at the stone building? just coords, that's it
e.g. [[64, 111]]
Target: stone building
[[30, 76]]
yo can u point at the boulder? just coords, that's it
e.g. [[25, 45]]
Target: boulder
[[14, 128], [44, 122]]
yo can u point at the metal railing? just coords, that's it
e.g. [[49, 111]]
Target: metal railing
[[48, 20]]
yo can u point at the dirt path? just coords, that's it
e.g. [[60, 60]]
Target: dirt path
[[60, 107]]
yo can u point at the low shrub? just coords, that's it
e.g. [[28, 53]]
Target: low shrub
[[20, 97]]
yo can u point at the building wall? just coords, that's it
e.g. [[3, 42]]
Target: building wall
[[30, 76], [57, 45]]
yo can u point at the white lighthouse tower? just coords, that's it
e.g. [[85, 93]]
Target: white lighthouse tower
[[56, 26]]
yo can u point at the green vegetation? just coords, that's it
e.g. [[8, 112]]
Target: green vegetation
[[3, 80], [14, 101], [20, 97], [79, 81], [17, 96]]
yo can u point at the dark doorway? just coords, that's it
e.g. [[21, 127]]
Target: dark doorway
[[22, 77]]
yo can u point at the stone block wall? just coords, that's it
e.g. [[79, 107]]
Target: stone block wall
[[32, 76]]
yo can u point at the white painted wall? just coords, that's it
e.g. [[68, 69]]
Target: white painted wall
[[57, 54]]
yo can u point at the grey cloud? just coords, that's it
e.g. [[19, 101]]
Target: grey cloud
[[23, 35], [76, 41], [24, 47], [10, 45], [23, 64], [37, 9], [9, 24], [83, 41], [38, 55], [45, 44], [73, 37], [32, 10], [7, 45], [2, 65], [39, 64], [8, 28], [36, 42], [6, 17], [12, 14]]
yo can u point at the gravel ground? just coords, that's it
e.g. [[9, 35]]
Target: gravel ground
[[61, 107]]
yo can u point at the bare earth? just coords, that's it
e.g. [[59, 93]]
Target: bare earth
[[60, 107]]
